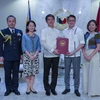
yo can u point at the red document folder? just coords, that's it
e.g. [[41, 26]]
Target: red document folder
[[62, 45]]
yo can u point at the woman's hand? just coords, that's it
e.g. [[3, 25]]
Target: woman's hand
[[31, 57], [99, 50], [88, 58]]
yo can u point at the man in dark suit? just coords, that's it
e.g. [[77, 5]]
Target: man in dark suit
[[10, 54]]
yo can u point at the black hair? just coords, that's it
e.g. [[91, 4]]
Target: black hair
[[49, 15], [27, 30], [11, 16], [89, 24], [71, 16]]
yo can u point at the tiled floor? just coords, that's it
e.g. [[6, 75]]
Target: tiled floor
[[41, 93]]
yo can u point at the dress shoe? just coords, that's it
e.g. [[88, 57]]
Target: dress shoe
[[47, 93], [27, 93], [16, 92], [33, 91], [7, 92], [77, 93], [0, 79], [54, 92], [66, 91]]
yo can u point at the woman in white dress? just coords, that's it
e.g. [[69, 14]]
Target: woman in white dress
[[91, 65]]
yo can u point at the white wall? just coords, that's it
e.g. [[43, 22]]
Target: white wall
[[19, 9], [94, 8], [15, 7]]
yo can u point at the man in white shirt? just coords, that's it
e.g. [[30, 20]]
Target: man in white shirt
[[76, 42], [51, 54]]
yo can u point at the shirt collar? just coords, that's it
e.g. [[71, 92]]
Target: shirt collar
[[72, 28], [93, 33], [51, 28], [11, 30]]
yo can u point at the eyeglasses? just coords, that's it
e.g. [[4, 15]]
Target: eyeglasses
[[71, 20]]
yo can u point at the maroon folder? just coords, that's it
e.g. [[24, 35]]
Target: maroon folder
[[62, 45]]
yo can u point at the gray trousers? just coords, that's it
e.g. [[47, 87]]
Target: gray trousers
[[76, 71]]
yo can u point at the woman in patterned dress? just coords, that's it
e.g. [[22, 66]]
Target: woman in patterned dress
[[31, 47], [91, 65]]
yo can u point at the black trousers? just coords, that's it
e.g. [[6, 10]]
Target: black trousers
[[11, 81], [50, 63]]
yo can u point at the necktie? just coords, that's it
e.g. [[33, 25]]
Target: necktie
[[13, 32]]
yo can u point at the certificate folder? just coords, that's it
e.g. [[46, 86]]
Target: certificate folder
[[62, 45]]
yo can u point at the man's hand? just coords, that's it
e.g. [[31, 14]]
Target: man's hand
[[56, 52], [1, 59], [70, 53], [21, 58]]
